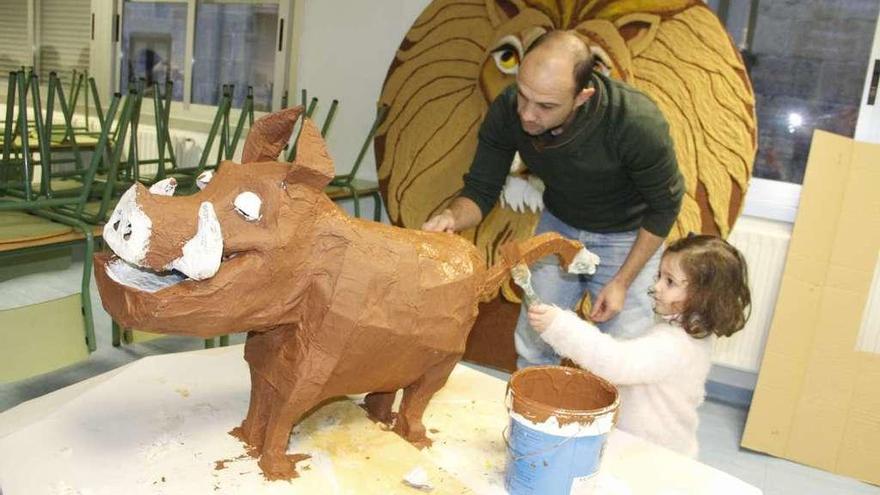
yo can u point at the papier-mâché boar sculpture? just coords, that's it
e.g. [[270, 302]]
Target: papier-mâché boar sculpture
[[333, 305]]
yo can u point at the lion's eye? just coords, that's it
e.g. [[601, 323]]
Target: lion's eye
[[506, 59], [507, 55]]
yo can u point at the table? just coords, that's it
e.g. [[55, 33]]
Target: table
[[159, 426]]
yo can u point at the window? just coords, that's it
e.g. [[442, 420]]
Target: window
[[153, 44], [229, 42], [64, 34], [807, 61], [14, 47], [235, 44], [50, 35]]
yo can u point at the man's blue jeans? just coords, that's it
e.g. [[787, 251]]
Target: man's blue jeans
[[554, 286]]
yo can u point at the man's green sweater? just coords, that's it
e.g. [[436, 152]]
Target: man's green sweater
[[612, 169]]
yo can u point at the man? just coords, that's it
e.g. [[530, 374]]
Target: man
[[603, 151]]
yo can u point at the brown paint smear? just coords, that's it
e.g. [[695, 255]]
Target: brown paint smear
[[571, 395]]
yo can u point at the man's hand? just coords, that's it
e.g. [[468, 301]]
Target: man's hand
[[541, 316], [609, 302], [462, 214], [443, 222]]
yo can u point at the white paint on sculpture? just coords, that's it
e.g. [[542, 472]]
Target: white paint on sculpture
[[128, 231], [202, 254]]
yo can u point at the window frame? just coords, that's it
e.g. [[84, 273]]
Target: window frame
[[778, 200], [770, 199], [194, 114]]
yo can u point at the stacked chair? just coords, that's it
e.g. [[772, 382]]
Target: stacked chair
[[48, 335], [345, 186], [60, 179], [348, 186], [226, 136]]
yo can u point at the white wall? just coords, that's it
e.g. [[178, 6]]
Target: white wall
[[868, 125], [345, 49]]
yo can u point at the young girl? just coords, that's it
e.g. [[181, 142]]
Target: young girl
[[701, 291]]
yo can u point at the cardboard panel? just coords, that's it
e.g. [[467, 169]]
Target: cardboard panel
[[869, 332], [817, 400], [860, 446]]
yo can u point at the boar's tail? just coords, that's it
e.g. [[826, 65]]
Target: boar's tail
[[528, 251]]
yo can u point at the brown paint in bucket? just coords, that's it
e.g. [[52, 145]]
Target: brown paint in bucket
[[560, 417], [570, 394]]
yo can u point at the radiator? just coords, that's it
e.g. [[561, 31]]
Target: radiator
[[188, 147], [764, 245]]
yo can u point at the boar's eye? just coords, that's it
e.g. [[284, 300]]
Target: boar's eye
[[248, 205]]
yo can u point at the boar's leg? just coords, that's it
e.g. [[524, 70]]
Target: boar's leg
[[253, 428], [415, 400], [275, 462], [378, 406], [261, 354], [301, 391]]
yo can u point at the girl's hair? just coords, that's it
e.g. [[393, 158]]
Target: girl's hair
[[719, 301]]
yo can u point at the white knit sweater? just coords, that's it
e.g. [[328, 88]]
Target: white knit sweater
[[661, 376]]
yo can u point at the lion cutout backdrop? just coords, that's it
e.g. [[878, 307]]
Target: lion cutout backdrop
[[459, 55]]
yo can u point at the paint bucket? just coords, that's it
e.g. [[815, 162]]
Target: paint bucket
[[559, 420]]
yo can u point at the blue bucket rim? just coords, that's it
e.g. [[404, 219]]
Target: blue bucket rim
[[612, 407]]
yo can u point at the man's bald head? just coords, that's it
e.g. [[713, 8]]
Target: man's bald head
[[563, 47], [552, 82]]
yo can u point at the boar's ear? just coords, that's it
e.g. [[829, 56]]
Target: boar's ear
[[313, 165], [269, 134]]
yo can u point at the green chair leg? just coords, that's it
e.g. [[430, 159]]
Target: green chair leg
[[377, 206], [85, 282], [357, 201], [116, 334]]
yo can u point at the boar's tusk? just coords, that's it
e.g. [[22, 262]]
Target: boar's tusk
[[128, 231], [204, 178], [202, 254], [164, 187]]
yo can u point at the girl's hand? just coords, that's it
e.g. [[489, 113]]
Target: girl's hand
[[541, 316]]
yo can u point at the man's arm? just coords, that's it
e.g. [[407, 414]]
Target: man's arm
[[648, 154], [462, 214], [488, 171], [610, 300]]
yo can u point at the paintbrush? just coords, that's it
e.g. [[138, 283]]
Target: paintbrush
[[523, 278]]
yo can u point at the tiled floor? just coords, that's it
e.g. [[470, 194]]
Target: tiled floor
[[721, 425]]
